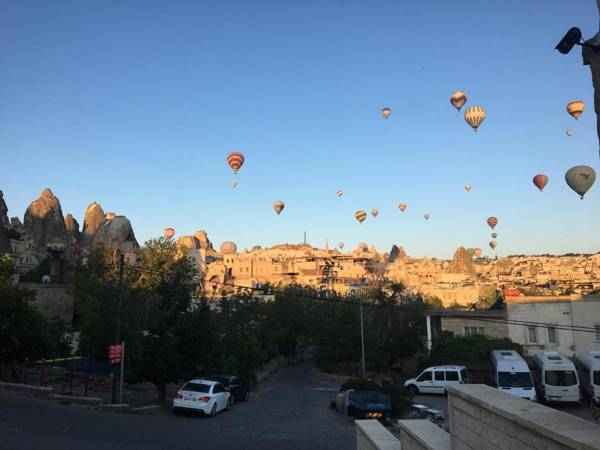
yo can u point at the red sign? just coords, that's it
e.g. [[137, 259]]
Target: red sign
[[115, 353]]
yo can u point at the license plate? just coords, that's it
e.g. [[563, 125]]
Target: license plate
[[188, 399]]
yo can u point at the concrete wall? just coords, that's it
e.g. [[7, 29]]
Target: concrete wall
[[482, 418], [52, 300], [422, 435], [491, 329], [371, 435]]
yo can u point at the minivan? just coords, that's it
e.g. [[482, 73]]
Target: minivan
[[435, 380], [588, 367], [555, 378], [510, 374]]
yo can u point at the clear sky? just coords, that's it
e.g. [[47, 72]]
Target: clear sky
[[135, 104]]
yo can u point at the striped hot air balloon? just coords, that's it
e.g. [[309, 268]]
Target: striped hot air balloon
[[386, 112], [493, 245], [235, 161], [339, 192], [580, 179], [458, 99], [374, 212], [492, 222], [477, 252], [474, 115], [402, 206], [169, 232], [278, 206], [468, 187], [360, 216], [575, 108], [540, 181]]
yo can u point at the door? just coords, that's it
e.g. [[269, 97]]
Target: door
[[452, 377], [439, 382], [425, 382], [219, 393]]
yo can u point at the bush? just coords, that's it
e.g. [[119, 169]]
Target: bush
[[360, 384]]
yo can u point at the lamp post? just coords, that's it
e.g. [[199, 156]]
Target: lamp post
[[362, 339]]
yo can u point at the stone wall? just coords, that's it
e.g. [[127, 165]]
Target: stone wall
[[482, 418], [52, 300], [422, 435], [371, 435]]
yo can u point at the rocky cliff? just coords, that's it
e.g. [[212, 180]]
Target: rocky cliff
[[44, 222], [461, 262], [4, 226], [72, 227], [94, 217], [117, 233]]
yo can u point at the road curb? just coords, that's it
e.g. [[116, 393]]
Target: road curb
[[38, 391], [150, 409], [74, 400], [108, 407]]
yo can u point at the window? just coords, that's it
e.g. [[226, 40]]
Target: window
[[552, 336], [451, 375], [425, 376], [517, 379], [439, 375], [218, 388], [597, 333], [596, 380], [532, 335], [561, 378], [196, 387], [472, 331]]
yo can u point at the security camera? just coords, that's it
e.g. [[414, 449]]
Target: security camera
[[572, 38]]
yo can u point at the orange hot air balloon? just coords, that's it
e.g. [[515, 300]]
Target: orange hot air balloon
[[474, 115], [360, 216], [427, 216], [477, 252], [493, 245], [402, 206], [575, 108], [492, 222], [458, 99], [386, 112], [540, 181], [235, 161], [169, 232]]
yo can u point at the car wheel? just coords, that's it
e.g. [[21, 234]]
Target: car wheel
[[413, 389], [247, 396], [229, 403], [213, 411]]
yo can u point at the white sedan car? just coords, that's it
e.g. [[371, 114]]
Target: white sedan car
[[208, 397]]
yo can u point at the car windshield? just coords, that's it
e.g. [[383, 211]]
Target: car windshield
[[561, 378], [196, 387], [597, 377], [518, 379]]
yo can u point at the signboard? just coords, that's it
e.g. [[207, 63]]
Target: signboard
[[115, 353]]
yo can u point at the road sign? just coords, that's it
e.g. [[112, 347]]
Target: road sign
[[115, 353]]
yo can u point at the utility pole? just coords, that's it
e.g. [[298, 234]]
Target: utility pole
[[118, 327], [362, 339]]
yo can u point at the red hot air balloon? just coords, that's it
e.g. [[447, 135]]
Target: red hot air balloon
[[477, 252], [540, 181], [169, 232], [235, 161], [492, 222]]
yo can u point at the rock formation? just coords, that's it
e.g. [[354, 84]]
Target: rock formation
[[4, 226], [44, 222], [188, 242], [203, 239], [72, 227], [94, 217], [4, 213], [116, 233], [461, 262]]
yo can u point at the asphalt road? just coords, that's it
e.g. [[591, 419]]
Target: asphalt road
[[290, 411]]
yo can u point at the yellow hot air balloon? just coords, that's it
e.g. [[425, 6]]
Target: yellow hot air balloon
[[278, 206], [402, 206], [575, 108], [374, 212], [474, 115], [458, 99], [386, 112], [468, 187], [360, 216]]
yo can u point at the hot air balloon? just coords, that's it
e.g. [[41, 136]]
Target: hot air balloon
[[570, 133], [458, 99], [575, 108], [494, 235], [468, 187], [474, 115], [341, 245], [234, 183], [169, 232], [427, 216], [492, 222], [339, 192], [402, 206], [386, 112], [360, 216], [374, 212], [493, 245], [278, 206], [540, 181], [477, 252], [235, 161], [580, 179]]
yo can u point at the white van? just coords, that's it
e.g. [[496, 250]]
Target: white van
[[434, 380], [588, 367], [510, 374], [555, 378]]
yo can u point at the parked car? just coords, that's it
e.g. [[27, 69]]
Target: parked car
[[510, 374], [588, 367], [417, 411], [239, 391], [436, 416], [204, 396], [435, 380], [555, 378], [369, 404]]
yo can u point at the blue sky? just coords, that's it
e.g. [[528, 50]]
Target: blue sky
[[136, 105]]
